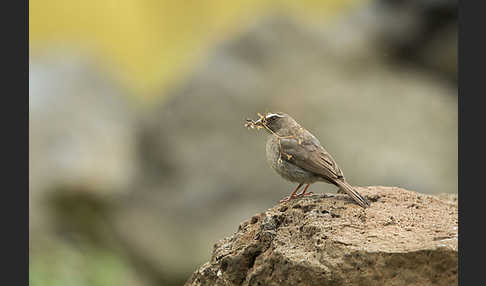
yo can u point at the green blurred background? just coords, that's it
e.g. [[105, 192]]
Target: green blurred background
[[139, 161]]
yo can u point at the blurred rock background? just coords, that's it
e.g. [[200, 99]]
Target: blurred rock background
[[139, 161]]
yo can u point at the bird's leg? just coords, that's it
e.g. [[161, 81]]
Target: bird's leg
[[292, 195], [303, 194]]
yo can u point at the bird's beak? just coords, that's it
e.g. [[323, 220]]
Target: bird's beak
[[254, 124]]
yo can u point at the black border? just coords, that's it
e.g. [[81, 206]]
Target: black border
[[471, 65], [15, 140]]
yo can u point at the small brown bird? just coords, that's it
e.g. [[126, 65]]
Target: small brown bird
[[296, 155]]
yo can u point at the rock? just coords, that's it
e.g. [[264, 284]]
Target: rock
[[417, 32], [82, 127], [433, 42], [82, 138], [404, 238]]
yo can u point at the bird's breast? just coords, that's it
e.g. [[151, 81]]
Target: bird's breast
[[273, 150]]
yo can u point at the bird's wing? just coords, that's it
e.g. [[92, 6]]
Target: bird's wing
[[307, 153]]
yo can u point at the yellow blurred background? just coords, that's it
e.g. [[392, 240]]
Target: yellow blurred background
[[150, 44]]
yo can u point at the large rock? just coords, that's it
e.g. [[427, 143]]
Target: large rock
[[404, 238]]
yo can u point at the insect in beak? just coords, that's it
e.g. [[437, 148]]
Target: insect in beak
[[258, 124]]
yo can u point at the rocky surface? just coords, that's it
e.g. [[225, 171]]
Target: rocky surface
[[404, 238]]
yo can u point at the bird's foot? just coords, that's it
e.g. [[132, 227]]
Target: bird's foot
[[288, 198], [305, 194], [291, 197]]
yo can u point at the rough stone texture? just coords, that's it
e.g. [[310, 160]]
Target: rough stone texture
[[404, 238]]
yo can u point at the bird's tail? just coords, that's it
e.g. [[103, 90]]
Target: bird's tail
[[348, 189]]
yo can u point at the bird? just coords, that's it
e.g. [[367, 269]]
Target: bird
[[298, 156]]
